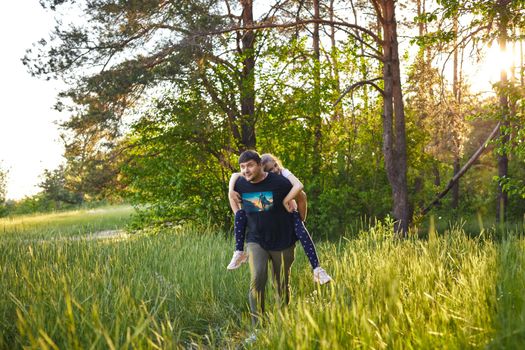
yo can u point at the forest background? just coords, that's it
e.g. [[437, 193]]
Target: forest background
[[369, 103]]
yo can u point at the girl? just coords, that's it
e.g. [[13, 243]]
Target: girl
[[298, 210]]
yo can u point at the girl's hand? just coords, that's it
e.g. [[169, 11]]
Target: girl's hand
[[235, 196]]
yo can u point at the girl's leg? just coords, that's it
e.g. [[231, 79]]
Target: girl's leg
[[302, 233], [239, 228]]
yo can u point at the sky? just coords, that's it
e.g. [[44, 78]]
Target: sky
[[29, 137]]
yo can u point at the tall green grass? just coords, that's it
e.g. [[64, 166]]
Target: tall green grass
[[65, 224], [171, 290]]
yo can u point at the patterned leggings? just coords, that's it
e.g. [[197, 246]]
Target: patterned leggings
[[300, 231]]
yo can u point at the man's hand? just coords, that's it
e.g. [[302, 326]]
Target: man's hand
[[235, 196], [290, 206]]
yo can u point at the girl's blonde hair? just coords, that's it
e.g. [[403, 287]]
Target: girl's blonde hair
[[267, 157]]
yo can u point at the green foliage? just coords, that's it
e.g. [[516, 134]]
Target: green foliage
[[92, 156], [57, 194], [38, 203], [351, 174], [54, 187], [182, 152], [174, 166], [513, 130], [514, 185]]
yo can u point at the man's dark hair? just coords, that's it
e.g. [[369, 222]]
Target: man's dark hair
[[246, 156]]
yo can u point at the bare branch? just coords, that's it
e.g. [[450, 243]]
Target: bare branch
[[463, 42], [463, 170], [295, 24], [358, 84]]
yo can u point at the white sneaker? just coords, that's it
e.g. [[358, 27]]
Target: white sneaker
[[320, 276], [238, 258], [251, 338]]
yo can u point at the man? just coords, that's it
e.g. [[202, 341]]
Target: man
[[269, 231]]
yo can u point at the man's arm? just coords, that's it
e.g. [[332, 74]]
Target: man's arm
[[234, 205], [302, 205]]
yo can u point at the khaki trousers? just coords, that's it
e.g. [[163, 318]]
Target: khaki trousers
[[281, 265]]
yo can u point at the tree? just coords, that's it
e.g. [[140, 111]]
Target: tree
[[442, 106], [132, 50], [129, 52], [3, 184], [92, 156], [54, 188], [503, 17], [247, 77], [485, 21], [394, 133], [316, 113]]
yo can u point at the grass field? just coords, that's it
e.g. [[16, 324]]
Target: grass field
[[169, 289], [77, 223]]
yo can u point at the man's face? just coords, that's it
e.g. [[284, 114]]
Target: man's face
[[251, 170]]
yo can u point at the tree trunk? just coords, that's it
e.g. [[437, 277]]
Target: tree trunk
[[522, 63], [437, 176], [316, 117], [455, 91], [338, 111], [419, 180], [503, 160], [522, 67], [420, 10], [247, 81], [455, 188], [394, 135]]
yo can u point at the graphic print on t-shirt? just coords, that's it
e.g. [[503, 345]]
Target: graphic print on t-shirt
[[257, 201]]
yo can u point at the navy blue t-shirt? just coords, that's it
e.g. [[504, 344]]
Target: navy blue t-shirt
[[269, 224]]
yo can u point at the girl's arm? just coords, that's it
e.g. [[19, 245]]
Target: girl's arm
[[297, 187], [233, 196]]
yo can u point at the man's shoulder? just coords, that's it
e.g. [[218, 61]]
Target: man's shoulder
[[272, 180], [240, 183], [279, 179]]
